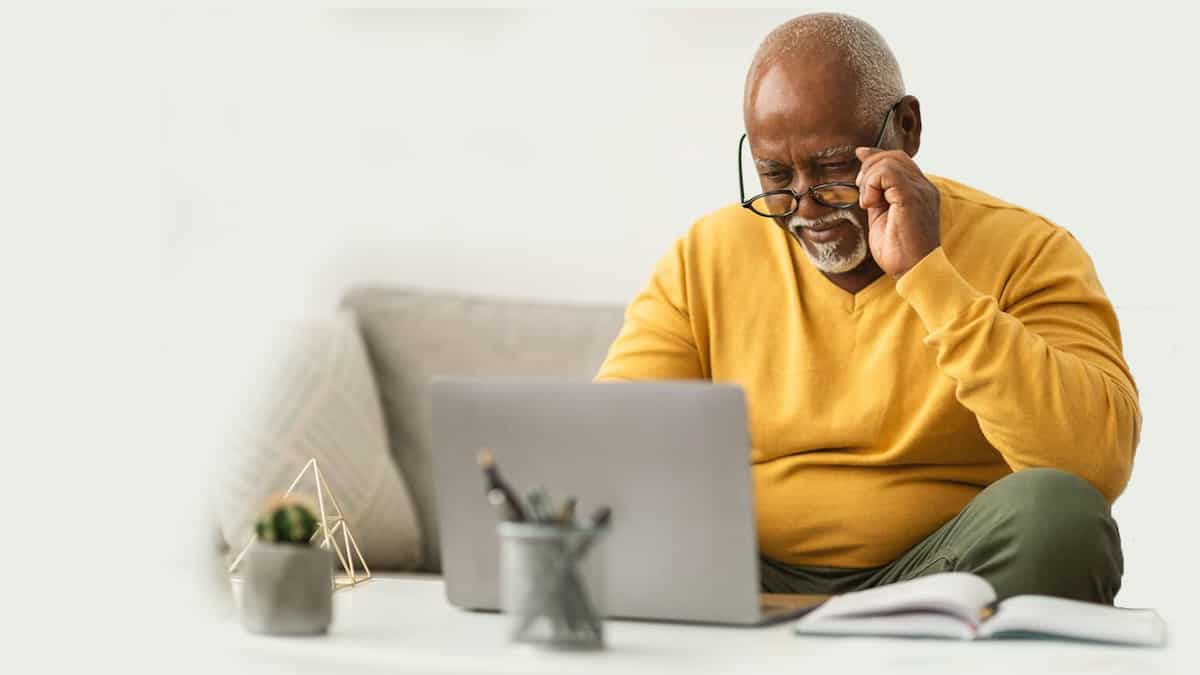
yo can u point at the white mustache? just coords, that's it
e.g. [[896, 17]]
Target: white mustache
[[796, 221]]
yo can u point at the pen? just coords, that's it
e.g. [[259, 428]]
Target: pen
[[567, 515], [498, 492], [538, 507]]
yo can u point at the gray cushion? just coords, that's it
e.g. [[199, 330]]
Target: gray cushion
[[317, 397], [413, 336]]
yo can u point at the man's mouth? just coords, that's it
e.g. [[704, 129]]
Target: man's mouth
[[823, 232], [821, 227]]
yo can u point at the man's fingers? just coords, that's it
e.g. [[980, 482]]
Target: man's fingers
[[873, 184], [883, 183], [864, 152], [870, 194], [869, 157]]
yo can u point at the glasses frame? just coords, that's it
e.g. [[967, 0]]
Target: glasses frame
[[812, 189]]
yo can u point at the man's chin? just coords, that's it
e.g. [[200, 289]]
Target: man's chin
[[837, 258], [839, 266]]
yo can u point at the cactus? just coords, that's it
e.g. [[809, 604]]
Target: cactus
[[286, 520]]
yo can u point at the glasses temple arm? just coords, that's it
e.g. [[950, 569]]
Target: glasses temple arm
[[741, 180]]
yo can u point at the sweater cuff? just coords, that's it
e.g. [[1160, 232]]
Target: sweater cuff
[[936, 291]]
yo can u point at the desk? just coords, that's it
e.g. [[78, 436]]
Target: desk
[[401, 624]]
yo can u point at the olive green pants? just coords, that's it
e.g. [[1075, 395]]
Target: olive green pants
[[1040, 531]]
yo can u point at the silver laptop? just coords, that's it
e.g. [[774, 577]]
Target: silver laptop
[[670, 458]]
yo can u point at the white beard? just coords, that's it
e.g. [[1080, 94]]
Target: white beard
[[824, 255]]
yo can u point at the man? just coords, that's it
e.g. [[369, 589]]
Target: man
[[934, 377]]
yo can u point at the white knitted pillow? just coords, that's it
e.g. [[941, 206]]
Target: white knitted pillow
[[317, 398]]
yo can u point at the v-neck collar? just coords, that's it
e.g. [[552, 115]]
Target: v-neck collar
[[850, 302]]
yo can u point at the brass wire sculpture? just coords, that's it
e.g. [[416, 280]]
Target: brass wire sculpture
[[332, 523]]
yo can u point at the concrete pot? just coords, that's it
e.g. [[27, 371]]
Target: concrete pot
[[287, 589]]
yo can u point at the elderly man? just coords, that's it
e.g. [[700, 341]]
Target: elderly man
[[934, 376]]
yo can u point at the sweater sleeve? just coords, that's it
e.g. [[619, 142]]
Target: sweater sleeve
[[656, 340], [1044, 375]]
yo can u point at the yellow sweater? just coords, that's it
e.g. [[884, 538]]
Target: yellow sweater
[[875, 417]]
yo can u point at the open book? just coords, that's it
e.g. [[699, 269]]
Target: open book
[[963, 606]]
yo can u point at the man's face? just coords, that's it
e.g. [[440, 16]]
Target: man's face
[[802, 126]]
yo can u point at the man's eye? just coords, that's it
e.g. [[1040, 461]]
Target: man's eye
[[775, 176]]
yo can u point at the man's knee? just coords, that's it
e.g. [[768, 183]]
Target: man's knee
[[1061, 538], [1033, 493]]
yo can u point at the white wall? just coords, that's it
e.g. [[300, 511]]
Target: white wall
[[556, 156], [500, 151]]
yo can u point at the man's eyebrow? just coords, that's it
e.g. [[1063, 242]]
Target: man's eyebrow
[[833, 152]]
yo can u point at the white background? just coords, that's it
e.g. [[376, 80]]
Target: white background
[[557, 155], [216, 171]]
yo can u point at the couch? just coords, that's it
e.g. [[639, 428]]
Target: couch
[[353, 390]]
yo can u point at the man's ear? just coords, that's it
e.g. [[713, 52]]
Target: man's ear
[[907, 125]]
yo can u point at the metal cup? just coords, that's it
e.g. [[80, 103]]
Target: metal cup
[[552, 584]]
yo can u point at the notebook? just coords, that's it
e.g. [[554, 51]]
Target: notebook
[[963, 606]]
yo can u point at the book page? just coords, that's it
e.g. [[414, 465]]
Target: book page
[[1044, 615], [918, 624], [957, 593]]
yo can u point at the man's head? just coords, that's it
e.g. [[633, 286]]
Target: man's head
[[819, 86]]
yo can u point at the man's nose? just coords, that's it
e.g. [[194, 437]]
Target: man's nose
[[807, 207]]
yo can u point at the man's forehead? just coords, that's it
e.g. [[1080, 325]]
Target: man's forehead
[[795, 83], [800, 108]]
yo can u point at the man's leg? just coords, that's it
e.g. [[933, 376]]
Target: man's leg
[[1040, 531], [777, 577]]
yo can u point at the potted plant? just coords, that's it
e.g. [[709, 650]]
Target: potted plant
[[287, 587]]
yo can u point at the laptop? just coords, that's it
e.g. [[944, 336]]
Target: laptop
[[670, 458]]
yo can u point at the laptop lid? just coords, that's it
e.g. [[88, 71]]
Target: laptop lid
[[670, 458]]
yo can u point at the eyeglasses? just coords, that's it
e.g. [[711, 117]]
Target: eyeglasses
[[783, 203]]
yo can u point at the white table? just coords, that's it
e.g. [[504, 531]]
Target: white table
[[402, 623]]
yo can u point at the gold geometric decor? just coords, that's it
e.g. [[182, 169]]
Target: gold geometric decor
[[332, 523]]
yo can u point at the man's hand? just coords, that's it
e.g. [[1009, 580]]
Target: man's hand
[[903, 209]]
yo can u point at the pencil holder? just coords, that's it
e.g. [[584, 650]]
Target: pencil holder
[[552, 584]]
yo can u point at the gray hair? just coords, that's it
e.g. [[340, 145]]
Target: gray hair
[[851, 40]]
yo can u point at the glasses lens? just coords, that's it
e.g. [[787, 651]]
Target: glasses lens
[[773, 205], [838, 196]]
